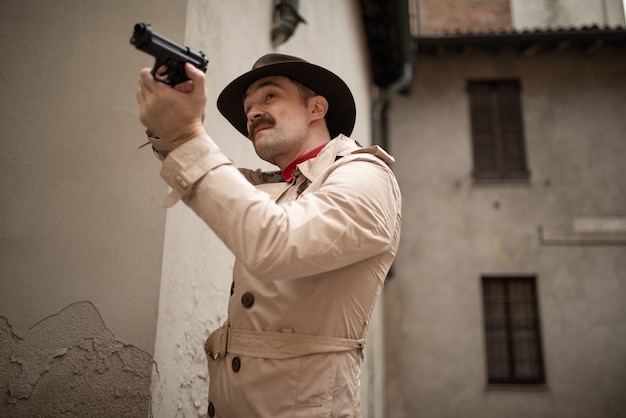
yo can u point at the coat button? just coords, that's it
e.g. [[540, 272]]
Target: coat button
[[232, 288], [211, 410], [247, 300], [236, 364]]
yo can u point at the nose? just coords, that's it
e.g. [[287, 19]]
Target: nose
[[253, 114]]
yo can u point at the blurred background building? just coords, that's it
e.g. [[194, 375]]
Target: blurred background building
[[506, 121], [509, 291]]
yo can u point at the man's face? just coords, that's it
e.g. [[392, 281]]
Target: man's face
[[277, 117]]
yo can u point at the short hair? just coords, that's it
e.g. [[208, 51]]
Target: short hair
[[305, 92]]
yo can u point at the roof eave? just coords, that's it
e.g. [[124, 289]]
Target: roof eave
[[583, 38]]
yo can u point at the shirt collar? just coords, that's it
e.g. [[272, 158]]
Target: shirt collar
[[289, 171]]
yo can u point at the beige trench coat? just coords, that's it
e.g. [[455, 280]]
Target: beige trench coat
[[311, 259]]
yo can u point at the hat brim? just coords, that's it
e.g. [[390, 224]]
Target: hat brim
[[341, 114]]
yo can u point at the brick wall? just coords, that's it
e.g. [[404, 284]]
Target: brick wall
[[438, 16]]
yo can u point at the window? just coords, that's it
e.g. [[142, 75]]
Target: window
[[497, 130], [513, 339]]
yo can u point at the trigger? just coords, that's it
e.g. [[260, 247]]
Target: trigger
[[161, 73]]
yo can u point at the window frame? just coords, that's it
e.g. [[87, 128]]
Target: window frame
[[498, 142], [515, 358]]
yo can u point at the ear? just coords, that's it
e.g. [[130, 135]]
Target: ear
[[318, 107]]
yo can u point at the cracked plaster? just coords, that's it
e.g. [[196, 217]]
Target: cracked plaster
[[70, 365]]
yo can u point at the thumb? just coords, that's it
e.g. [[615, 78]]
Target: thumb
[[195, 75]]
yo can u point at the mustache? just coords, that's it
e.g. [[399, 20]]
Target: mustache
[[263, 120]]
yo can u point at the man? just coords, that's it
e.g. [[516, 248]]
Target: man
[[313, 242]]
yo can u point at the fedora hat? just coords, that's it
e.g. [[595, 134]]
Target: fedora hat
[[341, 112]]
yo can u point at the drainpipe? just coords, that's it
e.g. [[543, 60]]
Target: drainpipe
[[380, 103], [399, 85], [376, 409]]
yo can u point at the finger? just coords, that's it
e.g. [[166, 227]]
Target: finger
[[142, 97], [145, 79], [139, 96], [184, 87], [142, 92], [162, 70]]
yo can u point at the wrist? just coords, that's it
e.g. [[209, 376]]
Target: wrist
[[194, 130]]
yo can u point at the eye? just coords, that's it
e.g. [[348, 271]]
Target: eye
[[269, 96]]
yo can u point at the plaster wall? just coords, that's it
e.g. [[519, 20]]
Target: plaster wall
[[533, 14], [454, 231], [80, 223], [197, 268], [75, 224]]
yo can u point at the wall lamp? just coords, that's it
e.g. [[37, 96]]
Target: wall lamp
[[286, 18]]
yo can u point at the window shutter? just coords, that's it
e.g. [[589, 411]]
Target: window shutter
[[497, 130], [512, 332], [483, 121], [510, 110]]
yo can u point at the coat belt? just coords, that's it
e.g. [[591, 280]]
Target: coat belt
[[273, 345]]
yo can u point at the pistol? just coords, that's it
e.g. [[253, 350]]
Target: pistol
[[167, 53]]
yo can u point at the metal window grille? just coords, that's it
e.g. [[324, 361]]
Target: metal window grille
[[512, 332], [497, 130]]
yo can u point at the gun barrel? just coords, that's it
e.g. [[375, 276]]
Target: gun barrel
[[145, 39]]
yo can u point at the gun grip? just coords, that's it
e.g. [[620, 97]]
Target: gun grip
[[169, 72]]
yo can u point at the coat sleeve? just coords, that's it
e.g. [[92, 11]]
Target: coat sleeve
[[350, 216]]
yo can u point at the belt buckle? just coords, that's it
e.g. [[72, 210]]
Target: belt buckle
[[223, 343], [217, 344]]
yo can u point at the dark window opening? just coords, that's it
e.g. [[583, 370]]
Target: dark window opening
[[512, 332], [497, 130]]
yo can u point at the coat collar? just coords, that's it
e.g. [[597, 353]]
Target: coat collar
[[339, 147]]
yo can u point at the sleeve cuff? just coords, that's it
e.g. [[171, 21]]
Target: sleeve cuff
[[160, 148], [187, 164]]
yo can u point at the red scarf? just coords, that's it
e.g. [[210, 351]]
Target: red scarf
[[288, 172]]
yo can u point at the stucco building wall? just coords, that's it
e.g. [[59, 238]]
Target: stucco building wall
[[533, 14], [81, 231], [75, 223]]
